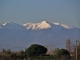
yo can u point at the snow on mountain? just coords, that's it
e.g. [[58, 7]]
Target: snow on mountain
[[35, 26], [4, 24], [11, 25], [45, 25], [56, 23], [66, 26]]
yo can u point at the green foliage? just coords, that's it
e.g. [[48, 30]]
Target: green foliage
[[13, 55], [18, 55], [7, 51], [35, 50], [63, 54], [22, 55], [42, 58]]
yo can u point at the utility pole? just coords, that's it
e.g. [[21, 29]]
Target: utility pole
[[76, 49]]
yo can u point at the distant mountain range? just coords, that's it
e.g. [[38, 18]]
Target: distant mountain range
[[16, 37]]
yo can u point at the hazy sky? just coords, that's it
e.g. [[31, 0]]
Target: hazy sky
[[23, 11]]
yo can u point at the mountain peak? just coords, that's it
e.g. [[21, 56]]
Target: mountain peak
[[35, 26], [5, 23], [45, 25], [11, 25], [44, 22]]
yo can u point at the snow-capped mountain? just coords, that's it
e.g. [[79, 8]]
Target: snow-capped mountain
[[14, 36], [44, 25], [36, 26], [11, 25]]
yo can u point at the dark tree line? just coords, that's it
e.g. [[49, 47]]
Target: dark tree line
[[38, 50], [33, 50]]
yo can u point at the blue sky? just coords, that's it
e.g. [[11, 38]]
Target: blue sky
[[24, 11]]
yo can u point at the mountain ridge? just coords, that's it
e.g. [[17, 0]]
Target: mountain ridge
[[44, 23], [40, 25], [36, 26], [16, 37]]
